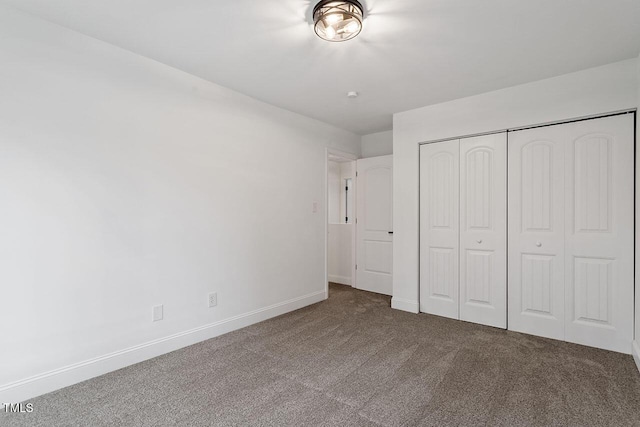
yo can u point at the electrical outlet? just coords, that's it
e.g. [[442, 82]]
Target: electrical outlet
[[158, 313], [213, 299]]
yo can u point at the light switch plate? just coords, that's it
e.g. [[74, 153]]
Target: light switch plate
[[158, 313]]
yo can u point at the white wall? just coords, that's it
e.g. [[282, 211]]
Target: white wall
[[337, 174], [334, 191], [340, 262], [347, 171], [377, 144], [599, 90], [126, 184], [341, 253]]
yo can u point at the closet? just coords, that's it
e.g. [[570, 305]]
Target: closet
[[569, 205], [463, 229], [571, 232]]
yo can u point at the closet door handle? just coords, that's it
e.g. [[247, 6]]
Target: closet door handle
[[539, 244], [479, 241], [390, 232]]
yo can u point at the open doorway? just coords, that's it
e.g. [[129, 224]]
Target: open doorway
[[341, 210]]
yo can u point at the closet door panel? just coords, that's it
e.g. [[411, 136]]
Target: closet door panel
[[439, 228], [599, 232], [536, 231], [483, 234]]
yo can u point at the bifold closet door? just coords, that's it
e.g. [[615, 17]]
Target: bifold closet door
[[463, 229], [483, 230], [439, 225], [536, 231], [599, 230], [571, 232]]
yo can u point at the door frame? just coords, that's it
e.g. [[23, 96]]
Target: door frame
[[351, 157]]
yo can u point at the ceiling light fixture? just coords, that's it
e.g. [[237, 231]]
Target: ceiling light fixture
[[337, 21]]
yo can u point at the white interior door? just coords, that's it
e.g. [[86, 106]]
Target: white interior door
[[483, 230], [439, 228], [375, 224], [599, 203], [536, 231]]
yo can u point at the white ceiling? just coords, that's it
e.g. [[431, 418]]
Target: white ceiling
[[411, 53]]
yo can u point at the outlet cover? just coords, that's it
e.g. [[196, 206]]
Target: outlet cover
[[213, 299], [158, 313]]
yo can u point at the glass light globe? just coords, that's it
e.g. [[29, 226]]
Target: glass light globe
[[338, 21]]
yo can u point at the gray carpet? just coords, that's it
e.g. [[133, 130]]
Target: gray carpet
[[352, 361]]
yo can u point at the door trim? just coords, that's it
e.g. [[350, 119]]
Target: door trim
[[516, 129]]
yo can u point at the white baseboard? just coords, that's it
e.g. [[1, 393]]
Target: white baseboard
[[37, 385], [343, 280], [636, 353], [405, 305]]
